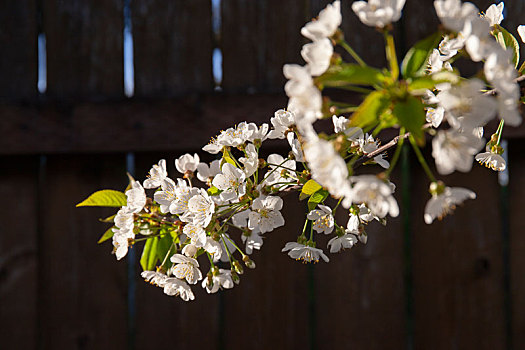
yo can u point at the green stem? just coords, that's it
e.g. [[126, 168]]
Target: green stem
[[354, 88], [352, 53], [421, 159], [397, 153], [391, 56], [500, 130]]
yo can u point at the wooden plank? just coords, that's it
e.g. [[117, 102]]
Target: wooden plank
[[172, 43], [458, 268], [257, 39], [270, 305], [18, 39], [516, 192], [84, 49], [18, 252], [360, 294], [83, 290], [195, 322]]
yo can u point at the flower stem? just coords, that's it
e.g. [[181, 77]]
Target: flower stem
[[500, 130], [421, 159], [397, 153], [391, 56], [352, 53]]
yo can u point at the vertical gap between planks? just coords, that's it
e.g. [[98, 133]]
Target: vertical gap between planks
[[311, 306], [503, 180], [129, 69], [41, 183], [131, 260], [216, 23], [41, 84], [407, 251]]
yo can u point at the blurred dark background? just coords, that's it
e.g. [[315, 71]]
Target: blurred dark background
[[92, 89]]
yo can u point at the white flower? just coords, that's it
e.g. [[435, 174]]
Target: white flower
[[157, 173], [318, 55], [265, 214], [235, 136], [252, 239], [154, 277], [174, 198], [376, 194], [251, 162], [357, 217], [213, 146], [196, 234], [222, 280], [167, 195], [322, 219], [491, 160], [305, 99], [436, 62], [186, 268], [201, 208], [278, 172], [124, 218], [121, 241], [258, 133], [226, 246], [299, 80], [340, 125], [187, 162], [338, 243], [231, 181], [454, 151], [190, 250], [445, 202], [378, 13], [281, 121], [213, 248], [326, 24], [494, 14], [449, 47], [453, 13], [206, 173], [303, 252], [368, 144], [174, 287], [136, 197], [466, 106], [296, 147], [521, 32], [435, 116]]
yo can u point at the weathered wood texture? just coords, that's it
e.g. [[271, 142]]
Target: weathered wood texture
[[84, 49], [18, 39], [257, 38], [18, 252], [82, 293], [172, 47], [457, 268]]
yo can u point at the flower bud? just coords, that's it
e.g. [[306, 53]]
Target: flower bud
[[235, 277], [248, 262], [436, 188], [238, 267], [189, 250], [215, 271]]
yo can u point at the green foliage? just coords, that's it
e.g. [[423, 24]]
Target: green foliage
[[428, 82], [163, 247], [108, 219], [410, 113], [507, 40], [105, 198], [415, 60], [351, 74], [149, 258], [213, 191], [309, 188], [372, 107], [107, 235], [316, 198]]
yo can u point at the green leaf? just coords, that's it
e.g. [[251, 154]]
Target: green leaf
[[416, 58], [428, 82], [149, 254], [310, 187], [410, 113], [213, 191], [316, 198], [163, 247], [349, 73], [507, 40], [108, 219], [370, 109], [105, 198], [107, 235]]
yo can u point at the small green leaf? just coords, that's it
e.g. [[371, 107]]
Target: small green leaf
[[370, 109], [163, 247], [316, 198], [416, 58], [351, 74], [108, 219], [105, 198], [410, 113], [107, 235], [149, 254], [213, 191], [310, 187], [428, 82], [507, 40]]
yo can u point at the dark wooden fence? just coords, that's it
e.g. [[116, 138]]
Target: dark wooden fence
[[457, 284]]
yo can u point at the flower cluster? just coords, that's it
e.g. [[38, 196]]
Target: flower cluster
[[205, 224]]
